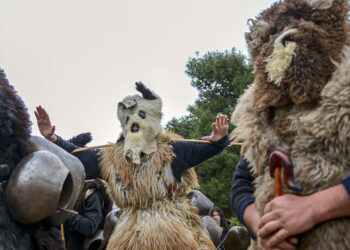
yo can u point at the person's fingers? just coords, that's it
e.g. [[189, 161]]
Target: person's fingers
[[214, 126], [268, 208], [278, 237], [225, 120], [45, 115], [37, 115], [286, 246], [217, 120], [52, 130], [41, 112], [293, 240], [270, 216], [220, 121], [269, 228]]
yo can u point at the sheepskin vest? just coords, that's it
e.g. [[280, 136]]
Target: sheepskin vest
[[155, 211], [316, 137]]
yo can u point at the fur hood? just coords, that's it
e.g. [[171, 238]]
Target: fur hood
[[315, 135]]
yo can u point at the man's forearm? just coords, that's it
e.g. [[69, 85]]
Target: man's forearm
[[251, 218], [331, 203]]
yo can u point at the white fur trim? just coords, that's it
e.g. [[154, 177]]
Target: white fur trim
[[280, 59], [320, 4]]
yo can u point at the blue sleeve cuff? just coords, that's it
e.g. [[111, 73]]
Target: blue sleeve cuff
[[224, 142], [241, 209], [346, 183]]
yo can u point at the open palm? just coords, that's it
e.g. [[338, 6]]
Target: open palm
[[44, 123]]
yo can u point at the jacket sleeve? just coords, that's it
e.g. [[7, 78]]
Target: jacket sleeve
[[88, 158], [190, 154], [88, 222], [242, 189], [346, 183]]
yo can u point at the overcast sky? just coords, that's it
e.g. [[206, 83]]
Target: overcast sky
[[79, 58]]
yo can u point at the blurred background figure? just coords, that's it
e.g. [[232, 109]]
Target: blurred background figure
[[217, 214], [219, 217]]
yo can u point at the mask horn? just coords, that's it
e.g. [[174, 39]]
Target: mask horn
[[146, 93]]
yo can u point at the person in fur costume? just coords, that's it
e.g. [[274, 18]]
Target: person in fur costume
[[299, 103], [148, 174], [14, 146]]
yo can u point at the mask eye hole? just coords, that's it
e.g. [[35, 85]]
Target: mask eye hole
[[127, 120], [142, 114]]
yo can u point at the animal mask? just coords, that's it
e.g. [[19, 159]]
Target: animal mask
[[293, 47], [140, 118]]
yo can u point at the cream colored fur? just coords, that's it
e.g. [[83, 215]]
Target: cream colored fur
[[316, 136], [280, 59], [143, 141], [156, 213], [320, 4]]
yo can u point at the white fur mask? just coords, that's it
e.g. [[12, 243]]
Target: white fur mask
[[140, 118]]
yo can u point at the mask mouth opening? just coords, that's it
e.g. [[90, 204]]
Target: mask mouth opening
[[135, 128]]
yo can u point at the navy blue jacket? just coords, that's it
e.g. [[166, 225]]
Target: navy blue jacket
[[188, 154]]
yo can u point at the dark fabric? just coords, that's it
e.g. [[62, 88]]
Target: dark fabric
[[88, 158], [242, 188], [80, 226], [46, 237], [188, 154], [242, 191], [346, 183], [107, 203]]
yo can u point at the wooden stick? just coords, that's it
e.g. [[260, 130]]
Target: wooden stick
[[278, 181], [62, 235], [185, 140]]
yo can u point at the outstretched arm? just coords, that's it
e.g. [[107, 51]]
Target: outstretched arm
[[88, 158], [189, 154], [289, 215]]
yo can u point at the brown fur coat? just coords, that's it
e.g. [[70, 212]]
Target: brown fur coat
[[156, 214], [299, 103], [316, 136]]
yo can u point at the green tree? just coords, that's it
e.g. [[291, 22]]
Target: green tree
[[220, 78]]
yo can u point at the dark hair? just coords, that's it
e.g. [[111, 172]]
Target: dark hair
[[223, 221]]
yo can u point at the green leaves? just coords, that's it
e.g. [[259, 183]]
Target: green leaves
[[220, 78]]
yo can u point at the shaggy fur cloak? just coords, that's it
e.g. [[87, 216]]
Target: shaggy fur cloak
[[302, 108], [155, 211], [14, 145]]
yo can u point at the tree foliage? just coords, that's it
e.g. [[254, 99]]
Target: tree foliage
[[220, 78]]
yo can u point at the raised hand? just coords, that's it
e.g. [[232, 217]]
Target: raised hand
[[44, 124], [220, 128]]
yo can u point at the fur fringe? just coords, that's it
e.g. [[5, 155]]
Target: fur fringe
[[316, 136], [156, 214]]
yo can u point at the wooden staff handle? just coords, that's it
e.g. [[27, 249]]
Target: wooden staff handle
[[278, 181]]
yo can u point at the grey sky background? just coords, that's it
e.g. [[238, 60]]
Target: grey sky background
[[78, 58]]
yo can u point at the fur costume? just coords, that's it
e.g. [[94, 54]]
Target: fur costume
[[155, 211], [14, 145], [299, 103]]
